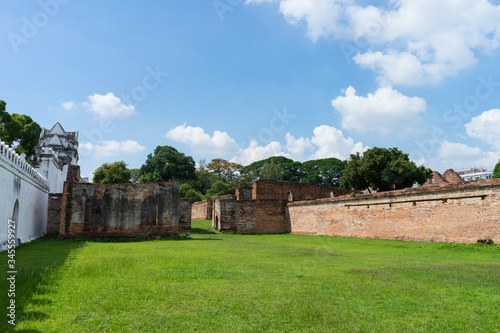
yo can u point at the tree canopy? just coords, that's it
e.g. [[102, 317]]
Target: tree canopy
[[290, 170], [167, 163], [382, 169], [112, 173], [496, 171], [324, 172], [225, 171], [187, 191], [220, 188], [272, 170], [19, 131]]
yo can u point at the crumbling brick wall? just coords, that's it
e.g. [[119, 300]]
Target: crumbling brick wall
[[452, 177], [436, 179], [449, 177], [146, 210], [185, 215], [463, 212], [261, 209], [54, 213], [202, 210], [223, 215]]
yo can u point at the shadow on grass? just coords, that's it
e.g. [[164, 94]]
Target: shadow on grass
[[203, 231], [37, 264]]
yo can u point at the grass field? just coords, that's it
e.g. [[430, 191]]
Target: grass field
[[254, 283]]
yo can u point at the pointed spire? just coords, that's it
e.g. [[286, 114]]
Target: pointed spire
[[57, 129]]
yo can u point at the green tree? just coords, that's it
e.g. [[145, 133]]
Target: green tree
[[112, 173], [272, 170], [291, 170], [383, 169], [19, 131], [496, 171], [204, 178], [225, 171], [167, 163], [220, 188], [324, 172], [187, 191], [135, 175]]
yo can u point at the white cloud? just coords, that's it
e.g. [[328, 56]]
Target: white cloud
[[109, 106], [297, 147], [326, 142], [68, 105], [199, 141], [486, 127], [331, 142], [409, 42], [401, 68], [450, 150], [254, 152], [112, 148], [385, 111], [321, 16], [460, 156]]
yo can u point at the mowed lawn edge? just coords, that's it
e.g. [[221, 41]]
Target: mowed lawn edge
[[254, 283]]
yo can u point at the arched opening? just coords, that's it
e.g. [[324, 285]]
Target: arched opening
[[93, 213], [149, 212], [290, 196], [217, 226], [15, 219]]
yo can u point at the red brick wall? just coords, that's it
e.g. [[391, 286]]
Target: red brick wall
[[461, 213], [54, 213], [185, 215], [452, 177], [202, 210], [261, 217], [223, 216], [267, 189], [244, 193], [146, 210], [265, 213], [73, 173]]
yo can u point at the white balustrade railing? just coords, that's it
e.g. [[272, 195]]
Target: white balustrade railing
[[10, 156]]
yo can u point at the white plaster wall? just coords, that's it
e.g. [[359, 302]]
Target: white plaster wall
[[20, 182], [50, 168]]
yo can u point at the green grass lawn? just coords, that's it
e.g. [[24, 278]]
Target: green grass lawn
[[254, 283]]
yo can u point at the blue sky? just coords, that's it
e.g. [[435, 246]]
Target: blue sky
[[245, 80]]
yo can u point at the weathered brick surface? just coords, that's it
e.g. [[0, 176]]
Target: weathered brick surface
[[54, 213], [244, 193], [223, 216], [463, 213], [436, 179], [452, 177], [202, 210], [262, 208], [185, 215], [146, 210]]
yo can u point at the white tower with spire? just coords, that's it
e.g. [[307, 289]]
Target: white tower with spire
[[56, 149]]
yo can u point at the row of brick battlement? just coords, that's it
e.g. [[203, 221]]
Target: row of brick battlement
[[12, 158], [428, 189]]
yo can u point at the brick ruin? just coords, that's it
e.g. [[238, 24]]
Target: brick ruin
[[202, 210], [146, 210], [462, 212], [262, 208], [448, 177]]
